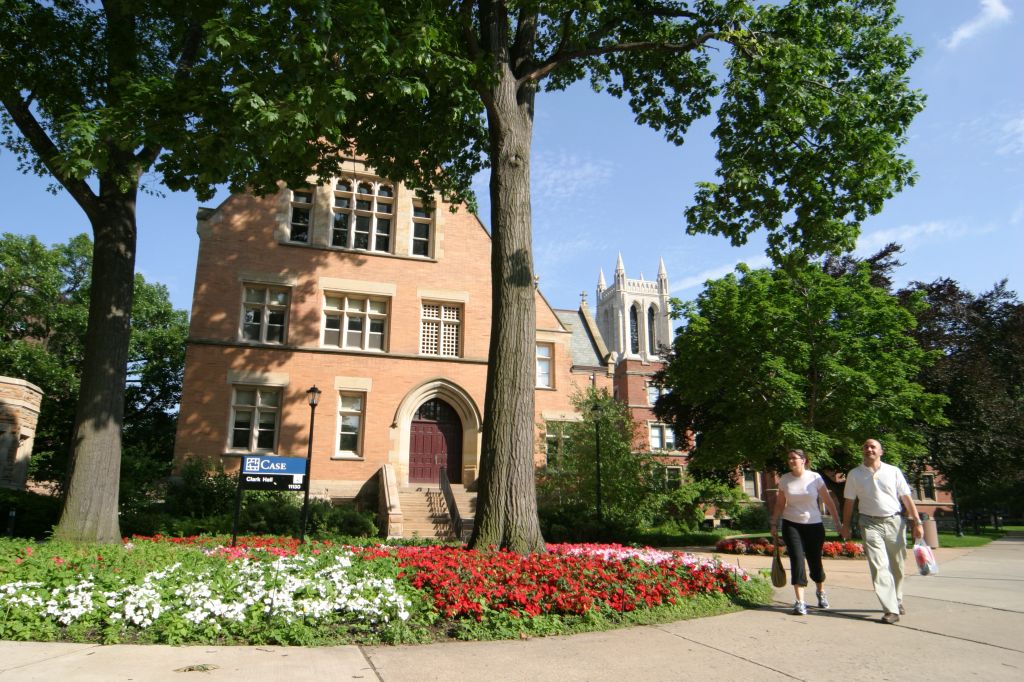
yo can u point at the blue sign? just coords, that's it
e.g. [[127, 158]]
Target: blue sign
[[267, 472], [268, 465]]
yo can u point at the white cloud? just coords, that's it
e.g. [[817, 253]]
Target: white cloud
[[1013, 137], [908, 235], [562, 175], [993, 13], [1018, 215], [718, 272]]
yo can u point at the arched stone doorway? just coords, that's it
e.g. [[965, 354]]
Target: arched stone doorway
[[435, 441], [463, 469]]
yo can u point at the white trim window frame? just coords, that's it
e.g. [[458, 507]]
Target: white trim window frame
[[255, 418], [545, 363], [264, 316], [441, 329], [673, 477], [661, 437], [422, 232], [654, 392], [300, 224], [363, 215], [355, 322], [351, 419], [556, 440]]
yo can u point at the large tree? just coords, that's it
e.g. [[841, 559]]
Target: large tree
[[980, 344], [812, 105], [44, 307], [92, 94], [798, 357]]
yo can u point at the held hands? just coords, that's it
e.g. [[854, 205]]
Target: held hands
[[844, 532]]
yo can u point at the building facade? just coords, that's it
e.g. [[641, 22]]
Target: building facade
[[383, 303]]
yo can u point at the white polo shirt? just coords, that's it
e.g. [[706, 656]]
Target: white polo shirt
[[879, 491]]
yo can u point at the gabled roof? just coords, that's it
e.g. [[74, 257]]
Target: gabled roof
[[586, 345]]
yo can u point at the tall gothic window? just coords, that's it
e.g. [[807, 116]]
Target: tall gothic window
[[634, 331], [652, 344]]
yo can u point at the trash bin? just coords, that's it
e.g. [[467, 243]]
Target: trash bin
[[931, 531]]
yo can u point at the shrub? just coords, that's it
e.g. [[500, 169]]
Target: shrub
[[752, 518], [200, 492], [34, 515]]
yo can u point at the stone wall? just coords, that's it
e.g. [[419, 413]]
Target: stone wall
[[19, 413]]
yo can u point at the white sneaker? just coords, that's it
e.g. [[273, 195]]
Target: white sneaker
[[822, 600], [799, 609]]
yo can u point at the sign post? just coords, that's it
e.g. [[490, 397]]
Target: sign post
[[267, 472]]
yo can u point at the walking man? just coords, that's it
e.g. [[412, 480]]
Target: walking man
[[880, 488]]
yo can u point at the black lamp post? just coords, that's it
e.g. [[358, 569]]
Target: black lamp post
[[314, 399], [596, 411]]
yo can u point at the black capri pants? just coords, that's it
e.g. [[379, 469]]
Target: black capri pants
[[803, 542]]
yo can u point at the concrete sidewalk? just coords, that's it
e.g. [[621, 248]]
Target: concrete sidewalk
[[967, 622]]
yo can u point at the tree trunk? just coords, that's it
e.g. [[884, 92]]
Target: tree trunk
[[91, 503], [507, 503]]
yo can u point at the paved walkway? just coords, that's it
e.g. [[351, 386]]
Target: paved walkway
[[965, 623]]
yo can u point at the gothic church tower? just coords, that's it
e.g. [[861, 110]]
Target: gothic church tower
[[633, 314]]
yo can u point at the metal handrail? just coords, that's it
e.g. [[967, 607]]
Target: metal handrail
[[459, 528]]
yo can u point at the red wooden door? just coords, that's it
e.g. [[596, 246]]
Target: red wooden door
[[435, 440]]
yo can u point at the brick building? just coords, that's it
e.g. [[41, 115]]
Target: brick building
[[384, 304]]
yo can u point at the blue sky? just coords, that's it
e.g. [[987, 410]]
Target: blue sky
[[603, 185]]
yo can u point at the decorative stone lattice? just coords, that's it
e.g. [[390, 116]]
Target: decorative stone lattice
[[19, 414]]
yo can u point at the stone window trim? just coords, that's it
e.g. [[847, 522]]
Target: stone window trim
[[545, 366], [300, 215], [355, 322], [350, 425], [423, 229], [673, 477], [363, 214], [441, 328], [264, 313], [654, 392], [555, 441], [924, 488], [660, 436], [255, 418]]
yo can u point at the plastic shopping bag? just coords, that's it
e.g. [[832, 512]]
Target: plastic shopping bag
[[926, 563], [778, 571]]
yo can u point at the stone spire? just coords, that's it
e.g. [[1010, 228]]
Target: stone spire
[[601, 286], [662, 275], [620, 272]]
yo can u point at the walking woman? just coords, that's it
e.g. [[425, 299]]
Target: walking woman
[[802, 529]]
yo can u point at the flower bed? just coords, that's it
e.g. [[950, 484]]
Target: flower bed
[[174, 590], [764, 546]]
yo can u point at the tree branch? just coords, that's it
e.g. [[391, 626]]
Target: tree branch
[[183, 70], [520, 56], [558, 59], [472, 42], [46, 150]]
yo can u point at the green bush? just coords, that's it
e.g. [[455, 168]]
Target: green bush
[[752, 518], [34, 515], [200, 492]]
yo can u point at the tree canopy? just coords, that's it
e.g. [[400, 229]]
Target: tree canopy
[[44, 304], [93, 95], [798, 358], [979, 342]]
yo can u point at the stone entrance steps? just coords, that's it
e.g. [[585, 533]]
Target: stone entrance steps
[[425, 513]]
